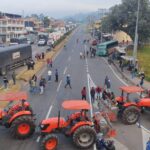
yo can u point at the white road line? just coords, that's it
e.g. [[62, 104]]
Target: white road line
[[49, 111], [115, 73], [59, 86], [88, 81], [69, 58], [47, 116], [65, 70], [144, 130]]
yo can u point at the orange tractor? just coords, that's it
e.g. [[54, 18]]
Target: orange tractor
[[17, 115], [129, 110], [78, 125]]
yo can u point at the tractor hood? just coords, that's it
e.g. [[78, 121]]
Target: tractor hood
[[50, 124], [145, 102]]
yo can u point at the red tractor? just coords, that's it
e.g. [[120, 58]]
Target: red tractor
[[129, 110], [78, 125], [17, 115]]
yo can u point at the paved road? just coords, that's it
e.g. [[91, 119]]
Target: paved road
[[47, 105]]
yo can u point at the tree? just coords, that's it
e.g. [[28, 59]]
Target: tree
[[46, 22], [123, 17]]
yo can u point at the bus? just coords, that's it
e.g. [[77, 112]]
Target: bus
[[20, 40], [106, 48]]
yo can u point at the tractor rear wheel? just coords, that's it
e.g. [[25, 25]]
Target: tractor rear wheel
[[84, 137], [130, 115], [22, 127], [49, 142]]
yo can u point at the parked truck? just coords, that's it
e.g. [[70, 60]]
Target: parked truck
[[14, 56]]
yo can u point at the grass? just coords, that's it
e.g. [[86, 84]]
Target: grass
[[143, 60]]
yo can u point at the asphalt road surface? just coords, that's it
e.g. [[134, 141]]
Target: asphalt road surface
[[88, 72]]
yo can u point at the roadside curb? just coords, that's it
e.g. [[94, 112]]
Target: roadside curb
[[125, 77]]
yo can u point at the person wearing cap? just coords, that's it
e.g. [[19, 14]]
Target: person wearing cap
[[68, 81]]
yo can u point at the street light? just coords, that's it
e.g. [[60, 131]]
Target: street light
[[136, 36]]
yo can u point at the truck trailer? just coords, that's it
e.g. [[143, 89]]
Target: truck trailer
[[14, 56]]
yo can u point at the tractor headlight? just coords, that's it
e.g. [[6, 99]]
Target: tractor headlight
[[44, 126]]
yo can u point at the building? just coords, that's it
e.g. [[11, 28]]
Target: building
[[11, 26]]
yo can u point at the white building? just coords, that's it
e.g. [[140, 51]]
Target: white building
[[11, 26]]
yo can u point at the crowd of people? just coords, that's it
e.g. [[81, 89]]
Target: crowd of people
[[98, 93]]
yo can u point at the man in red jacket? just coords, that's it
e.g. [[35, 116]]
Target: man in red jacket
[[83, 93]]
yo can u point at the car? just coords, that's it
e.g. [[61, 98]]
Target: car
[[41, 42], [30, 41]]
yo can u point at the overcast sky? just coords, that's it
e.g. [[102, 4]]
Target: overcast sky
[[54, 8]]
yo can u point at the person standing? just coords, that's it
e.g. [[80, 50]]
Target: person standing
[[99, 92], [42, 85], [68, 81], [56, 75], [107, 84], [5, 80], [83, 93], [49, 75], [51, 63], [34, 77], [48, 62], [32, 63], [142, 79], [14, 77], [92, 92], [43, 55]]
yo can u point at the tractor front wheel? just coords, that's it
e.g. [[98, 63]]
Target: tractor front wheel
[[22, 127], [130, 115], [49, 142], [84, 137]]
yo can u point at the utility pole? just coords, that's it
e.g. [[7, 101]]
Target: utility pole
[[101, 14], [136, 35]]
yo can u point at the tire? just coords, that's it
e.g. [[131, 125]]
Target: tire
[[130, 115], [84, 132], [49, 142], [22, 127]]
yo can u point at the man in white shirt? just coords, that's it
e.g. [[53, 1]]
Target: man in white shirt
[[49, 75]]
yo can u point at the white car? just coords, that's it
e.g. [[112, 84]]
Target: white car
[[41, 42]]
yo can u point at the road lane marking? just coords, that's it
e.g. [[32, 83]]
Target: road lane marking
[[69, 58], [47, 116], [115, 73], [88, 81], [49, 111], [142, 127], [59, 86], [65, 70]]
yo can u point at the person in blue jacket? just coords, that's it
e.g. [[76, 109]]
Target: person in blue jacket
[[148, 144]]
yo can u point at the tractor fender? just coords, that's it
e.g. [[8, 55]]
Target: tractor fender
[[130, 104], [18, 114], [79, 124]]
